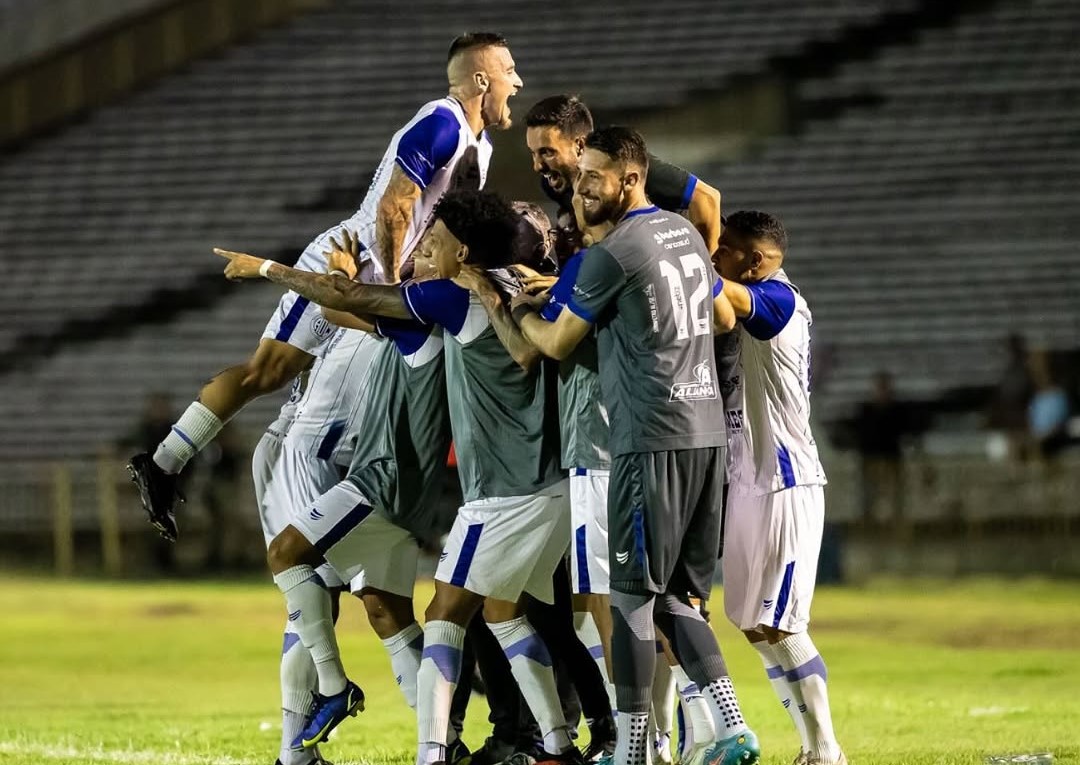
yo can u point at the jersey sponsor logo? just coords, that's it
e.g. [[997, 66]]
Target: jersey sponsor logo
[[734, 419], [701, 388], [622, 557], [671, 233], [673, 238], [654, 310]]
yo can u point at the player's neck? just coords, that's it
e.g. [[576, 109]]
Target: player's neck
[[473, 109], [636, 203]]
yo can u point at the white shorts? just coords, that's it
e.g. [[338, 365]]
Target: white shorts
[[501, 547], [589, 571], [363, 546], [286, 480], [298, 321], [771, 547]]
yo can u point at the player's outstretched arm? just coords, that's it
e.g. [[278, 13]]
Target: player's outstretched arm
[[704, 213], [738, 297], [329, 290], [395, 215], [556, 339], [723, 314], [520, 349]]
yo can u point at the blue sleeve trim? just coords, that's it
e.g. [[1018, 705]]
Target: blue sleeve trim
[[772, 304], [438, 301], [407, 335], [428, 146], [718, 287], [563, 289], [580, 312], [688, 192]]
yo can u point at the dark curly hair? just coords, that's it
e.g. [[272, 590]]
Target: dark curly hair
[[754, 224], [565, 112], [482, 221], [471, 40], [620, 143]]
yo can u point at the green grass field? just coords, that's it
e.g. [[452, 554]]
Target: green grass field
[[920, 673]]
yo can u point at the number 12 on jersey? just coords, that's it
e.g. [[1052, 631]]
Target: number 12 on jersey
[[693, 314]]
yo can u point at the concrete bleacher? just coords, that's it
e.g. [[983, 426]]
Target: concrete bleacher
[[235, 151], [945, 214]]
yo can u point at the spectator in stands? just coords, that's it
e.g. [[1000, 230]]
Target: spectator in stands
[[1048, 411], [1012, 395], [880, 426]]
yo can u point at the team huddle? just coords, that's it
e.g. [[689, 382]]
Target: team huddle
[[601, 378]]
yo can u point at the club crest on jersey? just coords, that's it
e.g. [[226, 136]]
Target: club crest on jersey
[[703, 386], [321, 328]]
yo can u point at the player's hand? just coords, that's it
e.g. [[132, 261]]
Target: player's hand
[[344, 256], [533, 281], [240, 265], [474, 279], [536, 302]]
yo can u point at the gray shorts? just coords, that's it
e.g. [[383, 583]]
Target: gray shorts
[[664, 515]]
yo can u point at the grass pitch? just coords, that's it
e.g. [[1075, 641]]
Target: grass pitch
[[186, 673]]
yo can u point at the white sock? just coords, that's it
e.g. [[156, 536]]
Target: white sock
[[632, 745], [720, 695], [196, 427], [777, 679], [697, 719], [530, 664], [298, 681], [310, 610], [440, 666], [805, 674], [405, 649], [589, 635], [663, 694]]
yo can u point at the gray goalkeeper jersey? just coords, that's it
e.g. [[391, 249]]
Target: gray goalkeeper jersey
[[648, 288], [504, 421], [400, 461]]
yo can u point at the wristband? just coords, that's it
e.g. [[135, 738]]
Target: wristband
[[264, 269], [338, 272], [520, 312]]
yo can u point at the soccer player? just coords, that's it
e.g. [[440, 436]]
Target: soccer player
[[443, 145], [298, 458], [776, 503], [556, 128], [652, 295], [514, 527]]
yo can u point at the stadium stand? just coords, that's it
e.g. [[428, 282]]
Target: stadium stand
[[105, 220], [939, 212]]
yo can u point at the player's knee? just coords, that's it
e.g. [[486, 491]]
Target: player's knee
[[290, 548], [387, 614], [772, 634], [755, 636]]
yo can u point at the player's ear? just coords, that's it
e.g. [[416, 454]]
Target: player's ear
[[757, 258], [463, 254], [482, 81], [579, 146], [631, 179]]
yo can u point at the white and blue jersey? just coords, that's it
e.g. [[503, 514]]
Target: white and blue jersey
[[437, 150], [768, 410], [327, 417]]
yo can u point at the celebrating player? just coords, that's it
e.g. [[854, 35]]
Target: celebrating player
[[651, 293], [776, 503], [507, 456], [443, 145]]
